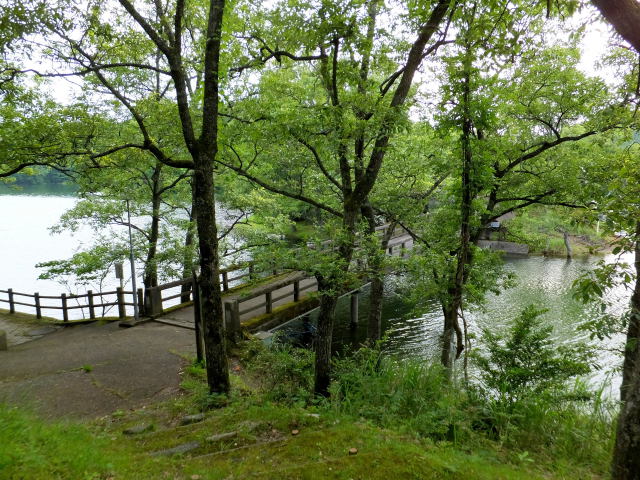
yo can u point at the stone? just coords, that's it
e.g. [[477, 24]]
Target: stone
[[178, 450], [222, 436], [313, 415], [189, 419], [295, 432], [3, 340], [353, 451], [138, 429]]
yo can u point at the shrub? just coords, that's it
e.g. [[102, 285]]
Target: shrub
[[523, 362]]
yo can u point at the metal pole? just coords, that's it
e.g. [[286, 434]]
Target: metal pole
[[133, 265]]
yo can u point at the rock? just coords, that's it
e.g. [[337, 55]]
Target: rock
[[180, 449], [314, 415], [222, 436], [295, 432], [189, 419], [353, 451], [138, 429]]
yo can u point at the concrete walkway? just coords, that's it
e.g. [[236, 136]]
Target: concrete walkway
[[91, 370]]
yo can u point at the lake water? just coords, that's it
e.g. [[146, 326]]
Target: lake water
[[25, 240], [543, 282]]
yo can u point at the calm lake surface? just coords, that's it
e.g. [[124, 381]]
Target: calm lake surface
[[25, 240], [543, 282]]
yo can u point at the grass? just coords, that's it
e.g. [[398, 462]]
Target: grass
[[540, 228], [26, 318], [402, 419]]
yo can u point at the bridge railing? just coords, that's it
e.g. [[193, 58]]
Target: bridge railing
[[89, 303], [263, 300], [158, 299]]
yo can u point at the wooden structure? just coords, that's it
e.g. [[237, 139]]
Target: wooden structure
[[89, 302], [154, 301]]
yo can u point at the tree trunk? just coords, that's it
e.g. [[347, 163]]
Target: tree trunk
[[463, 261], [626, 456], [624, 15], [324, 337], [376, 265], [216, 357], [329, 289], [447, 356], [151, 266], [567, 244], [187, 258], [205, 210]]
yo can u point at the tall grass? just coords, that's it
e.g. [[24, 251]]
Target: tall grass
[[417, 398]]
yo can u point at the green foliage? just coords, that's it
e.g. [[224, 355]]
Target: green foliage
[[285, 373], [523, 362], [409, 394]]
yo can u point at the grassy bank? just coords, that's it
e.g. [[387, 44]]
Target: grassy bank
[[542, 229], [403, 419]]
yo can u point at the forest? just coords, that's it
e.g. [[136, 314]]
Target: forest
[[303, 133]]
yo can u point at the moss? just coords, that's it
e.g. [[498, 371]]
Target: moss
[[281, 314]]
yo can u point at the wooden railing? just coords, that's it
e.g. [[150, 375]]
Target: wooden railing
[[155, 299], [63, 302], [234, 311], [152, 302]]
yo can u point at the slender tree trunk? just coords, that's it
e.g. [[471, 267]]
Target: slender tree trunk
[[151, 266], [205, 210], [463, 261], [567, 244], [626, 456], [329, 289], [324, 336], [376, 265], [446, 355], [216, 357], [187, 258]]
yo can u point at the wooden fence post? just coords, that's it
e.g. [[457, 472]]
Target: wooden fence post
[[228, 316], [12, 307], [354, 309], [225, 281], [236, 318], [92, 309], [122, 312], [36, 297], [232, 320], [269, 305], [65, 312], [296, 291], [140, 302], [153, 301]]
